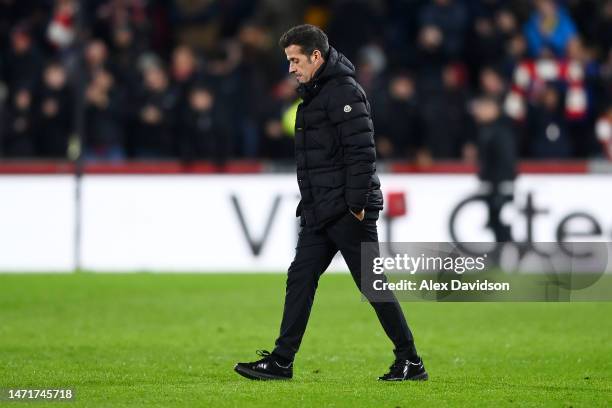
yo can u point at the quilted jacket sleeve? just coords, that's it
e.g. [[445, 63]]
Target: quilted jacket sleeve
[[349, 111]]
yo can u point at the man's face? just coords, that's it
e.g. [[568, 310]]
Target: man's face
[[301, 65], [547, 8]]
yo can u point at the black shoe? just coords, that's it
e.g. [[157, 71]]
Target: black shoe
[[403, 370], [268, 368]]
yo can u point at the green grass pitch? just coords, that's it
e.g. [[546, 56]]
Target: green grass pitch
[[171, 340]]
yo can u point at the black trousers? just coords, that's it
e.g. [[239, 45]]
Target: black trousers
[[315, 250]]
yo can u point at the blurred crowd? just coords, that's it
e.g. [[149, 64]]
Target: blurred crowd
[[205, 79]]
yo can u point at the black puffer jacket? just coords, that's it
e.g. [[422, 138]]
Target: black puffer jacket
[[334, 145]]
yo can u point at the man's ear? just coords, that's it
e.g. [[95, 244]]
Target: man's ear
[[316, 55]]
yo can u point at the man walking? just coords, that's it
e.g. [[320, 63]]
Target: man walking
[[340, 201]]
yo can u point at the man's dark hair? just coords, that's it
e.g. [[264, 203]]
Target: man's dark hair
[[308, 37]]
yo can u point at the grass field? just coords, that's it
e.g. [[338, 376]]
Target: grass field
[[172, 340]]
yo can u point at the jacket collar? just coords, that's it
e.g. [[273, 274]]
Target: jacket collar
[[335, 65]]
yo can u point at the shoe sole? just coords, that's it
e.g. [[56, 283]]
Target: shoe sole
[[254, 375], [420, 377]]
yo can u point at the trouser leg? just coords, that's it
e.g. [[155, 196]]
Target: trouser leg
[[313, 255], [348, 233], [495, 202]]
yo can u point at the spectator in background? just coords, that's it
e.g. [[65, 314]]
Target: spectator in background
[[487, 41], [55, 112], [125, 54], [185, 71], [222, 71], [23, 61], [399, 32], [430, 52], [103, 118], [260, 61], [155, 115], [516, 51], [96, 58], [443, 25], [276, 144], [549, 30], [494, 86], [580, 105], [14, 13], [371, 65], [506, 23], [261, 68], [548, 130], [20, 126], [497, 157], [445, 119], [395, 110], [492, 83], [201, 137], [278, 120], [108, 16], [277, 15], [491, 33]]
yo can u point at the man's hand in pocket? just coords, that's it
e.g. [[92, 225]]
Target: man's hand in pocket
[[358, 214]]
